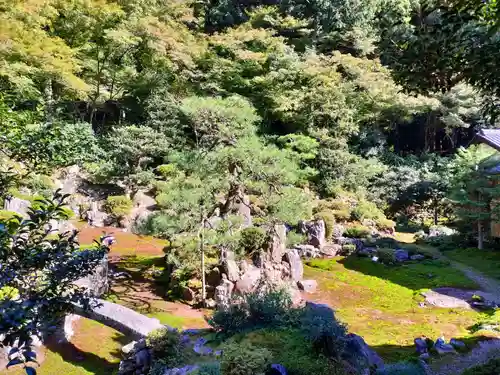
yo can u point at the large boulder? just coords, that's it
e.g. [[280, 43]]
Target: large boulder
[[249, 280], [308, 251], [244, 210], [296, 266], [315, 231], [401, 255], [223, 293], [277, 245], [357, 350], [308, 286], [230, 267], [331, 250], [17, 205]]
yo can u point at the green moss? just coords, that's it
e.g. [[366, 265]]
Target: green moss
[[490, 368], [289, 348], [118, 205]]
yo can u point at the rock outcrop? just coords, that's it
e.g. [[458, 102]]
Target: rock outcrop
[[17, 205], [315, 231]]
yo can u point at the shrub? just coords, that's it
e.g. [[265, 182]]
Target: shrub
[[385, 242], [211, 368], [272, 308], [252, 239], [41, 184], [166, 345], [329, 221], [348, 249], [386, 255], [357, 231], [293, 238], [402, 368], [167, 170], [290, 348], [385, 224], [341, 215], [244, 359], [118, 205], [366, 210]]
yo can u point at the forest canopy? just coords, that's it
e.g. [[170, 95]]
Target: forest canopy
[[277, 99]]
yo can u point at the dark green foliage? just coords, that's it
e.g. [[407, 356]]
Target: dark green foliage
[[245, 359], [252, 239], [348, 249], [329, 220], [27, 248], [366, 210], [357, 231], [291, 349], [166, 346], [119, 205], [256, 310], [490, 368], [209, 369]]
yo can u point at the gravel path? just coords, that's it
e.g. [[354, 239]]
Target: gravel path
[[490, 287]]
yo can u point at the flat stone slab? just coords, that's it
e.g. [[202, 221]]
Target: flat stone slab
[[122, 319], [453, 297]]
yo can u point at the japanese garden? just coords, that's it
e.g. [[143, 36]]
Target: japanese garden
[[268, 187]]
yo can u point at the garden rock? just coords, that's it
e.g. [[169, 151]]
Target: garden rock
[[296, 267], [442, 348], [320, 309], [181, 371], [223, 293], [356, 348], [417, 257], [231, 268], [18, 205], [95, 217], [308, 286], [421, 345], [368, 252], [457, 344], [316, 232], [277, 245], [401, 255], [127, 349], [249, 280], [331, 250], [244, 210], [307, 251]]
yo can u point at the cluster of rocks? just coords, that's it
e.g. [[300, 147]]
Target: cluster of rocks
[[275, 265], [424, 346]]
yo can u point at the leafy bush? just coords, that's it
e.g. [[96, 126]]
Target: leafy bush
[[245, 359], [291, 349], [366, 210], [272, 308], [357, 231], [212, 368], [167, 170], [384, 224], [40, 184], [252, 239], [386, 255], [402, 368], [384, 242], [293, 238], [348, 249], [118, 205], [166, 345], [6, 215], [329, 221]]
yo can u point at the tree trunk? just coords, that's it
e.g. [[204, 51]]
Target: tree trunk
[[480, 236], [202, 251]]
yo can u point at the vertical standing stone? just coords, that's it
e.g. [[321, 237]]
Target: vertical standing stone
[[277, 246]]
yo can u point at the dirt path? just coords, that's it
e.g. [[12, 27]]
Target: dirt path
[[490, 287]]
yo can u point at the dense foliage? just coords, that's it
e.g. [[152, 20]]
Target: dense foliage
[[38, 274]]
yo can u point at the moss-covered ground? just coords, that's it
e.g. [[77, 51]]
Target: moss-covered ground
[[485, 261], [381, 303]]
